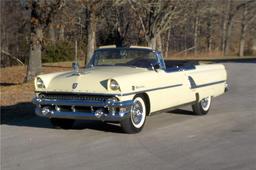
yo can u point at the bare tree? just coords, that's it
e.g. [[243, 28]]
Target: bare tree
[[91, 7], [91, 42], [167, 40], [248, 15], [167, 25], [121, 26], [196, 24], [231, 9], [227, 25], [52, 33], [14, 33], [41, 13], [156, 18]]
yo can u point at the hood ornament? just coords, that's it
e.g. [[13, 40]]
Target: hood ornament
[[74, 85]]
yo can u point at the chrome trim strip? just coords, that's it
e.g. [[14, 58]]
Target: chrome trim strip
[[115, 94], [153, 89], [39, 101], [208, 84], [78, 93]]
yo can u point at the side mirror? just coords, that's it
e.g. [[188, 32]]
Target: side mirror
[[75, 67], [156, 66]]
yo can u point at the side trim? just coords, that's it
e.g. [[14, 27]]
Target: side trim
[[114, 94], [207, 84], [153, 89]]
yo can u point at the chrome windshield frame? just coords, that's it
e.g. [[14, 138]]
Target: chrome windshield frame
[[93, 58]]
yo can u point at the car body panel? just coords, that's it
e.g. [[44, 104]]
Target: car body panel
[[89, 80], [164, 88]]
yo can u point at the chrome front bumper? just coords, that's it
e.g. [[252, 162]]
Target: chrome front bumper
[[99, 110]]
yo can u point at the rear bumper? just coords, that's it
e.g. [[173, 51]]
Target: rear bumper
[[105, 111]]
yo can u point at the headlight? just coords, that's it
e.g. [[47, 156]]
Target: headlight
[[114, 85], [39, 83]]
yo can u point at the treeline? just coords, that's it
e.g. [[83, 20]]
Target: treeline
[[36, 30]]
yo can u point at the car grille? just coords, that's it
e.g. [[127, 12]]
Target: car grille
[[67, 96]]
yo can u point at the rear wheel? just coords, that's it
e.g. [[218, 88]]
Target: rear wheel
[[136, 121], [202, 107], [62, 123]]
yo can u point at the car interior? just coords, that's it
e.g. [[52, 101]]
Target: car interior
[[179, 65]]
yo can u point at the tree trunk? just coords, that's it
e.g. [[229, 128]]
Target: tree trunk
[[62, 33], [36, 37], [242, 43], [209, 32], [159, 46], [119, 38], [52, 34], [91, 42], [34, 65], [166, 51], [196, 34], [243, 31], [227, 27], [228, 35], [209, 38], [224, 31], [152, 42], [254, 45]]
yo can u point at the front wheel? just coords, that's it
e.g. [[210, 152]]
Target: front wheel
[[137, 119], [202, 107], [62, 123]]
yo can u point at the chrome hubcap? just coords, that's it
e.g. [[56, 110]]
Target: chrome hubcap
[[137, 112], [205, 103]]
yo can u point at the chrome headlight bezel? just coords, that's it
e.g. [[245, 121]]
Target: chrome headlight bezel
[[39, 83], [113, 85]]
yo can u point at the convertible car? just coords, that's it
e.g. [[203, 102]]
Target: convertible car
[[124, 85]]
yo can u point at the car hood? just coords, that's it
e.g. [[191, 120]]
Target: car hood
[[93, 80]]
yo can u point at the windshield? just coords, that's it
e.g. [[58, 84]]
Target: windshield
[[124, 57]]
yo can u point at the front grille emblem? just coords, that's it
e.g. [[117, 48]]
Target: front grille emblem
[[74, 85]]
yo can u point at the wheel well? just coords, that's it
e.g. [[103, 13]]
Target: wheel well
[[197, 97], [146, 99]]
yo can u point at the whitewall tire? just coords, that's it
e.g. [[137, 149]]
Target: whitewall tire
[[203, 106], [137, 119]]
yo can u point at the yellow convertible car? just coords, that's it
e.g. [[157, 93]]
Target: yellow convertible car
[[124, 85]]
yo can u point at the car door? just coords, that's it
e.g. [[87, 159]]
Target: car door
[[172, 89]]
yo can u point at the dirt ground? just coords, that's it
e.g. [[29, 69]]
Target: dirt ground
[[13, 90], [16, 96]]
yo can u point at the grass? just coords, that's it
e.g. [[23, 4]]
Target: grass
[[13, 90], [16, 96]]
